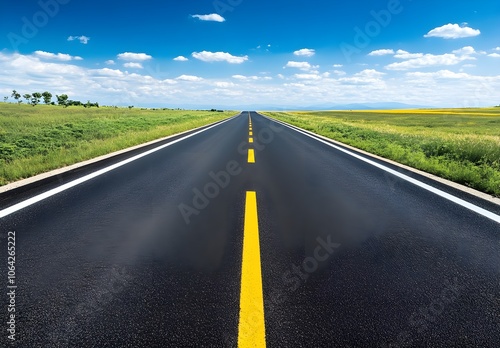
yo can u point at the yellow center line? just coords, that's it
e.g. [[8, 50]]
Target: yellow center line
[[251, 133], [250, 140], [251, 327], [251, 156]]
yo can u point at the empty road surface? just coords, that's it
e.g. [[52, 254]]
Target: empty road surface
[[249, 233]]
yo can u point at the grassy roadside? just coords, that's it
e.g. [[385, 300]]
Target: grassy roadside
[[34, 140], [462, 145]]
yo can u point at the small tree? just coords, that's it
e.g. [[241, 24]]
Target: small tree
[[16, 96], [35, 98], [62, 99], [47, 96], [27, 96], [5, 99]]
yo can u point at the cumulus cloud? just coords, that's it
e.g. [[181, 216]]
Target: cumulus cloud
[[338, 65], [189, 78], [307, 76], [83, 39], [305, 66], [365, 77], [305, 52], [429, 60], [133, 65], [494, 55], [129, 56], [401, 54], [214, 17], [252, 78], [441, 74], [381, 52], [110, 62], [59, 56], [223, 84], [453, 31], [111, 85], [245, 78], [181, 59], [206, 56], [467, 50]]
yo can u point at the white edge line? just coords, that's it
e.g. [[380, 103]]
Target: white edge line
[[486, 213], [21, 205]]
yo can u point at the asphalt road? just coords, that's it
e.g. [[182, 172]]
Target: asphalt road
[[150, 254]]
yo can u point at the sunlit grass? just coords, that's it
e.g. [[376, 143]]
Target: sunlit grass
[[34, 140], [462, 145]]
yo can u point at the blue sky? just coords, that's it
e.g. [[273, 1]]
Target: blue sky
[[252, 52]]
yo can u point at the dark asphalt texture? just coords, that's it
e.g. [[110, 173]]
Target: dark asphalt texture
[[351, 256]]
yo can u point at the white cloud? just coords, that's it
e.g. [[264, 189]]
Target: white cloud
[[133, 65], [305, 66], [494, 55], [239, 77], [110, 62], [129, 56], [252, 78], [339, 72], [429, 60], [365, 77], [219, 57], [497, 49], [59, 56], [307, 76], [338, 65], [305, 52], [214, 17], [468, 50], [181, 59], [401, 54], [441, 74], [453, 31], [83, 39], [381, 52], [113, 85], [189, 78], [280, 76], [223, 84], [109, 72]]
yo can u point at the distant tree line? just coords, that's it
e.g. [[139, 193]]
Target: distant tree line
[[35, 98]]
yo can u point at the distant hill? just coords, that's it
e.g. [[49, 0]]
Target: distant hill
[[353, 106], [267, 107]]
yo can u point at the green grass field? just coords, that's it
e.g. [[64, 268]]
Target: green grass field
[[34, 140], [462, 145]]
